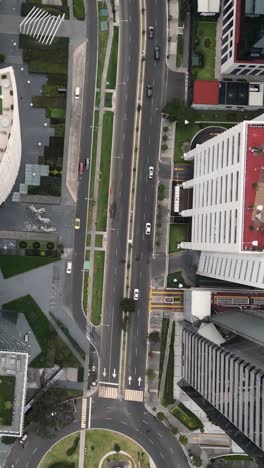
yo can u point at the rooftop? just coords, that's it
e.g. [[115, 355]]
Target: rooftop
[[249, 31], [206, 92], [253, 230]]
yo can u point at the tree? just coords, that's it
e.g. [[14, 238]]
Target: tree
[[49, 414], [117, 447], [7, 440], [2, 58], [154, 337], [161, 416], [183, 439], [196, 460], [128, 305], [151, 374]]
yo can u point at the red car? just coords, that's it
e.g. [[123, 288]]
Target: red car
[[81, 168]]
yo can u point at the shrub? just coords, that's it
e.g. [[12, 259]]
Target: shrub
[[161, 416], [22, 244], [183, 439], [164, 147], [164, 137], [154, 337], [175, 430], [117, 447], [151, 374], [50, 246], [139, 107], [36, 245], [165, 129]]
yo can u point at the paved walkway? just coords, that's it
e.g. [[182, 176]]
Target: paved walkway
[[93, 227]]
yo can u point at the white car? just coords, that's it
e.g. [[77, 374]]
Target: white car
[[69, 267], [151, 172], [136, 294], [148, 229]]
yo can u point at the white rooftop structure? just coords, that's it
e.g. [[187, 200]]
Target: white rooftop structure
[[210, 332], [208, 6], [227, 209], [10, 137], [197, 304]]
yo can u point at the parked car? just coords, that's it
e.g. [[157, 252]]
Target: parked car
[[87, 163], [151, 32], [157, 53], [151, 172], [149, 90], [23, 439], [68, 267], [81, 168], [136, 294], [148, 229], [77, 224]]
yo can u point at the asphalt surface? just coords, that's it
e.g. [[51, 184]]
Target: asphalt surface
[[155, 74], [129, 418], [119, 190]]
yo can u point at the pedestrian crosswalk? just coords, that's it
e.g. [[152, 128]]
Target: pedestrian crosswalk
[[134, 395], [84, 413], [105, 391]]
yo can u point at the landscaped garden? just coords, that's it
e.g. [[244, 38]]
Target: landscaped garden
[[7, 391], [167, 398], [63, 455], [187, 417], [178, 234], [103, 37], [53, 348], [179, 50], [204, 40], [174, 279], [163, 341], [78, 9]]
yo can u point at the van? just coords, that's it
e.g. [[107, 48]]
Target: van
[[87, 163], [77, 92], [26, 338], [23, 439]]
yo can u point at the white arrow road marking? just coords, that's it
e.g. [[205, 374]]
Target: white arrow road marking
[[139, 381], [114, 374], [129, 380], [104, 373]]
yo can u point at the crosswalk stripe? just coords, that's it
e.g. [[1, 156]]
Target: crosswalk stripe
[[84, 413], [134, 395], [107, 392]]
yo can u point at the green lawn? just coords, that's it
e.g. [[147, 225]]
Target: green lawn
[[163, 341], [167, 398], [57, 456], [98, 443], [103, 37], [187, 417], [234, 457], [97, 98], [99, 240], [103, 442], [179, 50], [93, 161], [66, 332], [12, 265], [85, 290], [108, 100], [7, 391], [57, 113], [112, 67], [98, 283], [104, 171], [183, 137], [53, 348], [178, 233], [178, 276], [78, 9], [205, 37]]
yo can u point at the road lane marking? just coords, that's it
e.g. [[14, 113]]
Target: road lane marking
[[171, 451], [109, 419], [151, 441], [160, 435], [122, 422], [145, 422], [107, 392], [162, 455], [34, 451], [134, 395]]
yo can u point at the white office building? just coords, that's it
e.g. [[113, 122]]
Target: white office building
[[228, 204], [242, 52], [10, 136]]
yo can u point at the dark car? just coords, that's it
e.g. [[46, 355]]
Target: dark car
[[157, 53], [149, 90], [151, 32]]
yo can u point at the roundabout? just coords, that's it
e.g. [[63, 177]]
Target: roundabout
[[103, 449]]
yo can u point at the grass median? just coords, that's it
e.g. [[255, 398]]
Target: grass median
[[12, 265], [179, 50], [112, 67], [103, 38], [167, 398], [106, 149], [164, 334], [98, 283]]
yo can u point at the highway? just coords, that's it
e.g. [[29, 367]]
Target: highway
[[155, 74], [119, 190]]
